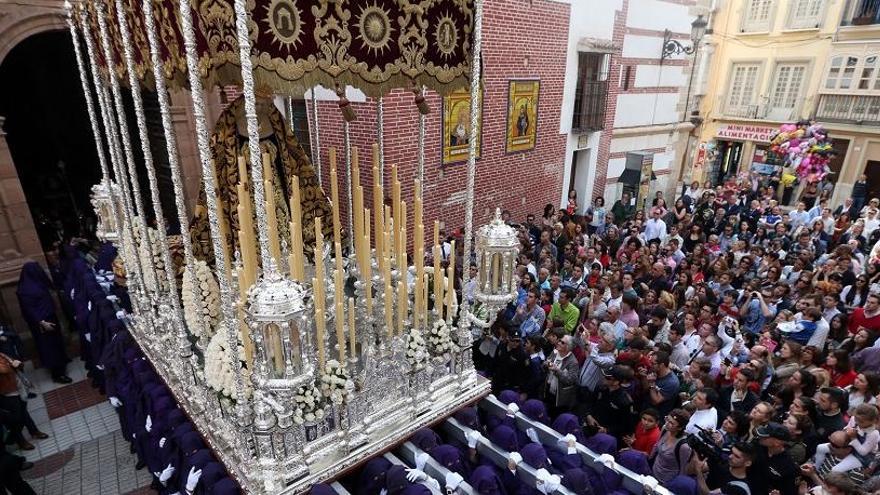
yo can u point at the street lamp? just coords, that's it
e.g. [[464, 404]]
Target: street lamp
[[671, 47], [675, 47]]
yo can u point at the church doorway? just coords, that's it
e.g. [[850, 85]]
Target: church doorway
[[49, 135]]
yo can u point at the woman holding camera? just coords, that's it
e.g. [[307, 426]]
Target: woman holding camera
[[671, 455]]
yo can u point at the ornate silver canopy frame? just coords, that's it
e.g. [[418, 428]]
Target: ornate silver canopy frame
[[326, 364]]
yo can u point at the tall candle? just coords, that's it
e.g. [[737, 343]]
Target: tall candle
[[368, 266], [402, 306], [358, 206], [297, 270], [395, 205], [425, 301], [320, 324], [438, 283], [334, 197], [271, 211], [401, 238], [243, 176], [450, 293], [340, 330], [319, 253], [450, 287], [389, 305], [351, 333], [338, 280], [378, 208]]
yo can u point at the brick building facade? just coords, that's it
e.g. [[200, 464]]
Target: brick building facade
[[521, 182]]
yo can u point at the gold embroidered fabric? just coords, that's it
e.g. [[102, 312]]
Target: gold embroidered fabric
[[375, 45], [288, 160]]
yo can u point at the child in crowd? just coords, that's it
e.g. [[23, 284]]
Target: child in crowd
[[864, 439]]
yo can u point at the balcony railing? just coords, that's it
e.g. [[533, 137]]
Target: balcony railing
[[857, 109], [589, 110], [862, 13], [763, 112]]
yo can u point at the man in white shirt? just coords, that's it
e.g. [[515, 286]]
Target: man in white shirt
[[705, 416], [799, 216], [655, 228]]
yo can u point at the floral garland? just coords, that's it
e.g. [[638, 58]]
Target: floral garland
[[439, 340], [219, 374], [202, 316], [416, 350], [334, 379], [309, 405]]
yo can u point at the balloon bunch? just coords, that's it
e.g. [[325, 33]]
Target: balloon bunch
[[804, 146]]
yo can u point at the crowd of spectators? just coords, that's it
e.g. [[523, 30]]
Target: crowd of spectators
[[722, 336]]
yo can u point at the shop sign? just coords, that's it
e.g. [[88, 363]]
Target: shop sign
[[746, 132]]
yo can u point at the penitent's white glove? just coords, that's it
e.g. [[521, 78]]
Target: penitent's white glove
[[571, 443], [415, 475], [162, 442], [166, 474], [453, 480], [149, 424], [533, 435], [473, 437], [512, 409], [421, 460], [513, 461], [115, 402], [192, 479]]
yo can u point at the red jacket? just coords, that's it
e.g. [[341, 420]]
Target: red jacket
[[858, 319]]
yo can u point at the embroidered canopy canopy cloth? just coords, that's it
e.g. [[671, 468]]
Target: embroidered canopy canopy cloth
[[374, 45]]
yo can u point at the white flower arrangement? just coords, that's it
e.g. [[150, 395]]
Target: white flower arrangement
[[202, 315], [334, 379], [151, 256], [219, 374], [416, 350], [309, 405], [439, 340]]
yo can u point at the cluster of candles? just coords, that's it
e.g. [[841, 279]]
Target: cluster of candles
[[388, 246]]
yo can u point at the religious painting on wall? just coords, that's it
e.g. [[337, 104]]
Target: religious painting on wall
[[457, 126], [522, 115]]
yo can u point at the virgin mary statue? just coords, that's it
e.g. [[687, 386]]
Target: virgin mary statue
[[229, 142]]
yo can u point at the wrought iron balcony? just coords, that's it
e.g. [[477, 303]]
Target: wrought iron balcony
[[857, 109], [589, 107]]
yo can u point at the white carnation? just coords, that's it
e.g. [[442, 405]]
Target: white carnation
[[219, 373], [202, 316]]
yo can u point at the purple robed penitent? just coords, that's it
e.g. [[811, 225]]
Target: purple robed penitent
[[485, 481], [35, 298], [577, 482], [451, 458]]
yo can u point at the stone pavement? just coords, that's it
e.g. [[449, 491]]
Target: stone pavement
[[100, 466], [85, 453]]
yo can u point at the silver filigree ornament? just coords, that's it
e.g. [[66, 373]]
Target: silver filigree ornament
[[497, 247], [103, 200], [278, 316]]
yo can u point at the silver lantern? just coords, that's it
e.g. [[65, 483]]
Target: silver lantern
[[104, 194], [278, 317], [497, 248]]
